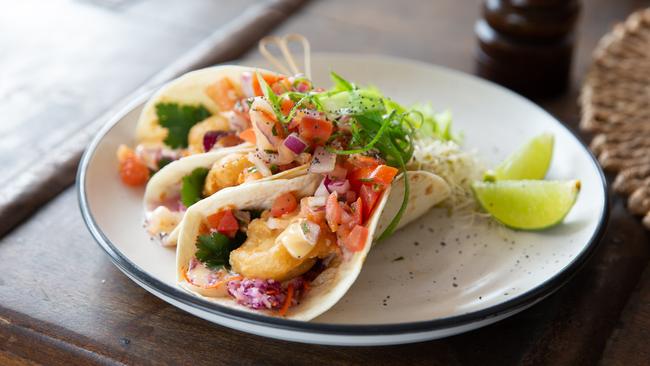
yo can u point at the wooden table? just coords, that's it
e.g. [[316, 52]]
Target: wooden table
[[63, 302]]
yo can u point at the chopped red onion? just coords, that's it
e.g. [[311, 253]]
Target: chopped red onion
[[295, 144], [322, 191], [267, 133], [338, 186], [211, 137], [285, 155], [323, 161], [247, 84], [317, 201]]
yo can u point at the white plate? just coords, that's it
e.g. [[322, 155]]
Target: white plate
[[454, 276]]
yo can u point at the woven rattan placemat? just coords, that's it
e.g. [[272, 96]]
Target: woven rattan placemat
[[615, 102]]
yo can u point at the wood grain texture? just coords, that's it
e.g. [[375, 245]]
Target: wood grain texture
[[46, 176], [630, 343], [61, 299]]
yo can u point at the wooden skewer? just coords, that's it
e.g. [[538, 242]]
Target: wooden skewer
[[283, 44]]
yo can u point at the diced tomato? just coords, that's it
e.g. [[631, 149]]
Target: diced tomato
[[350, 196], [347, 216], [224, 222], [215, 219], [383, 174], [314, 215], [224, 93], [133, 171], [342, 234], [248, 135], [357, 238], [369, 197], [283, 85], [358, 176], [333, 211], [269, 78], [339, 173], [315, 130], [229, 224], [363, 161], [284, 204], [357, 211], [286, 105], [378, 174]]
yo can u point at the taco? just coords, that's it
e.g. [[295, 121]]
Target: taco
[[184, 182], [288, 246], [269, 247], [201, 111]]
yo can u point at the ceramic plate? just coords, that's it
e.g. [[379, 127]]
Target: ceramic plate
[[437, 277]]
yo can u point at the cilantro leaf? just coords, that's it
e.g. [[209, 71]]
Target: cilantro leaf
[[178, 119], [213, 250], [163, 162], [192, 186]]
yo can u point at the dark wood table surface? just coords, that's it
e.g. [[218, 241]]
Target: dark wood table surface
[[63, 302]]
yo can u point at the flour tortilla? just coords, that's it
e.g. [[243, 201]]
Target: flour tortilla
[[187, 89], [170, 177], [325, 291], [425, 191]]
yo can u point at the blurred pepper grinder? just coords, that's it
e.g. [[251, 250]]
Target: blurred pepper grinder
[[527, 45]]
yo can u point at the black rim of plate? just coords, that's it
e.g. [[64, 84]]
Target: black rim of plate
[[526, 299]]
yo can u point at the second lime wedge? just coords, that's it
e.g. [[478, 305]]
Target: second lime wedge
[[530, 161], [527, 204]]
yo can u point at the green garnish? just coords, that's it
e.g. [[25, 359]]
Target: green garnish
[[273, 99], [179, 119], [340, 84], [304, 228], [162, 162], [213, 250], [192, 186], [375, 123], [255, 214], [351, 102], [434, 124]]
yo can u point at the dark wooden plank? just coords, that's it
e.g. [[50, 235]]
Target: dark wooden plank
[[52, 172], [628, 345], [59, 285], [61, 294]]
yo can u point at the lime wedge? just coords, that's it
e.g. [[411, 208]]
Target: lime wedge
[[531, 161], [527, 204]]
